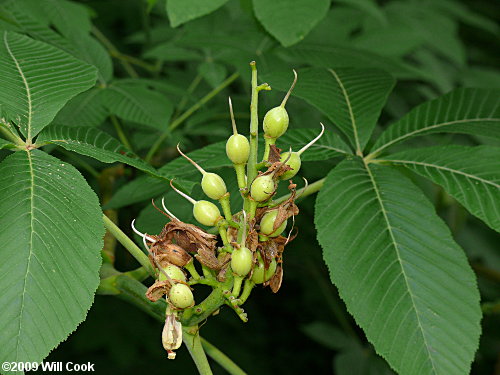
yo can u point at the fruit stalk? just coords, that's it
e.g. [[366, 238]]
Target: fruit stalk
[[254, 128], [254, 125]]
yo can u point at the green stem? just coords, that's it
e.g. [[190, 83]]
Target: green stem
[[237, 285], [120, 132], [192, 270], [8, 134], [134, 60], [129, 245], [185, 97], [303, 192], [179, 120], [191, 339], [225, 240], [252, 207], [247, 289], [223, 360], [226, 206], [240, 175], [254, 128]]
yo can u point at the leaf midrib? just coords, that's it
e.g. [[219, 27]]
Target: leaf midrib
[[26, 86], [441, 124], [396, 247], [349, 107], [30, 246], [451, 170]]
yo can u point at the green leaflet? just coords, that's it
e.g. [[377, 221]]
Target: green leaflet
[[133, 101], [94, 143], [400, 273], [51, 232], [470, 174], [182, 11], [290, 21], [35, 71], [469, 111]]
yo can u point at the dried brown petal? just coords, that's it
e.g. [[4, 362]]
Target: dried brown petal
[[224, 260], [169, 253], [276, 279], [274, 154], [208, 258], [158, 290]]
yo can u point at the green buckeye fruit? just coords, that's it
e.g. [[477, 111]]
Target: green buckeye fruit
[[259, 271], [238, 149], [173, 272], [180, 296], [276, 122], [262, 188], [241, 261], [293, 162], [213, 186], [206, 213], [267, 224]]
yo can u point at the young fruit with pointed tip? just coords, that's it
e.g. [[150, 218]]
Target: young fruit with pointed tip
[[238, 151], [237, 146], [294, 161], [267, 224], [260, 274], [204, 212], [174, 272], [212, 184], [276, 119], [181, 296], [263, 187]]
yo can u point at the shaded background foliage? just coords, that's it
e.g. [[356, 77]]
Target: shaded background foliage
[[431, 47]]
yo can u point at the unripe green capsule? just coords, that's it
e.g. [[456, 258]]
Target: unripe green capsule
[[173, 272], [293, 162], [181, 296], [276, 119], [238, 149], [206, 213], [276, 122], [262, 188], [213, 185], [267, 224], [241, 261], [259, 271]]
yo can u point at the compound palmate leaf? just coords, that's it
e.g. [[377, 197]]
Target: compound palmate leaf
[[400, 273], [351, 98], [94, 143], [37, 80], [470, 174], [51, 232], [465, 110]]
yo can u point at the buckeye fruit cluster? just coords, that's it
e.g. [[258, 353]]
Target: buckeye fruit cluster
[[249, 248]]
